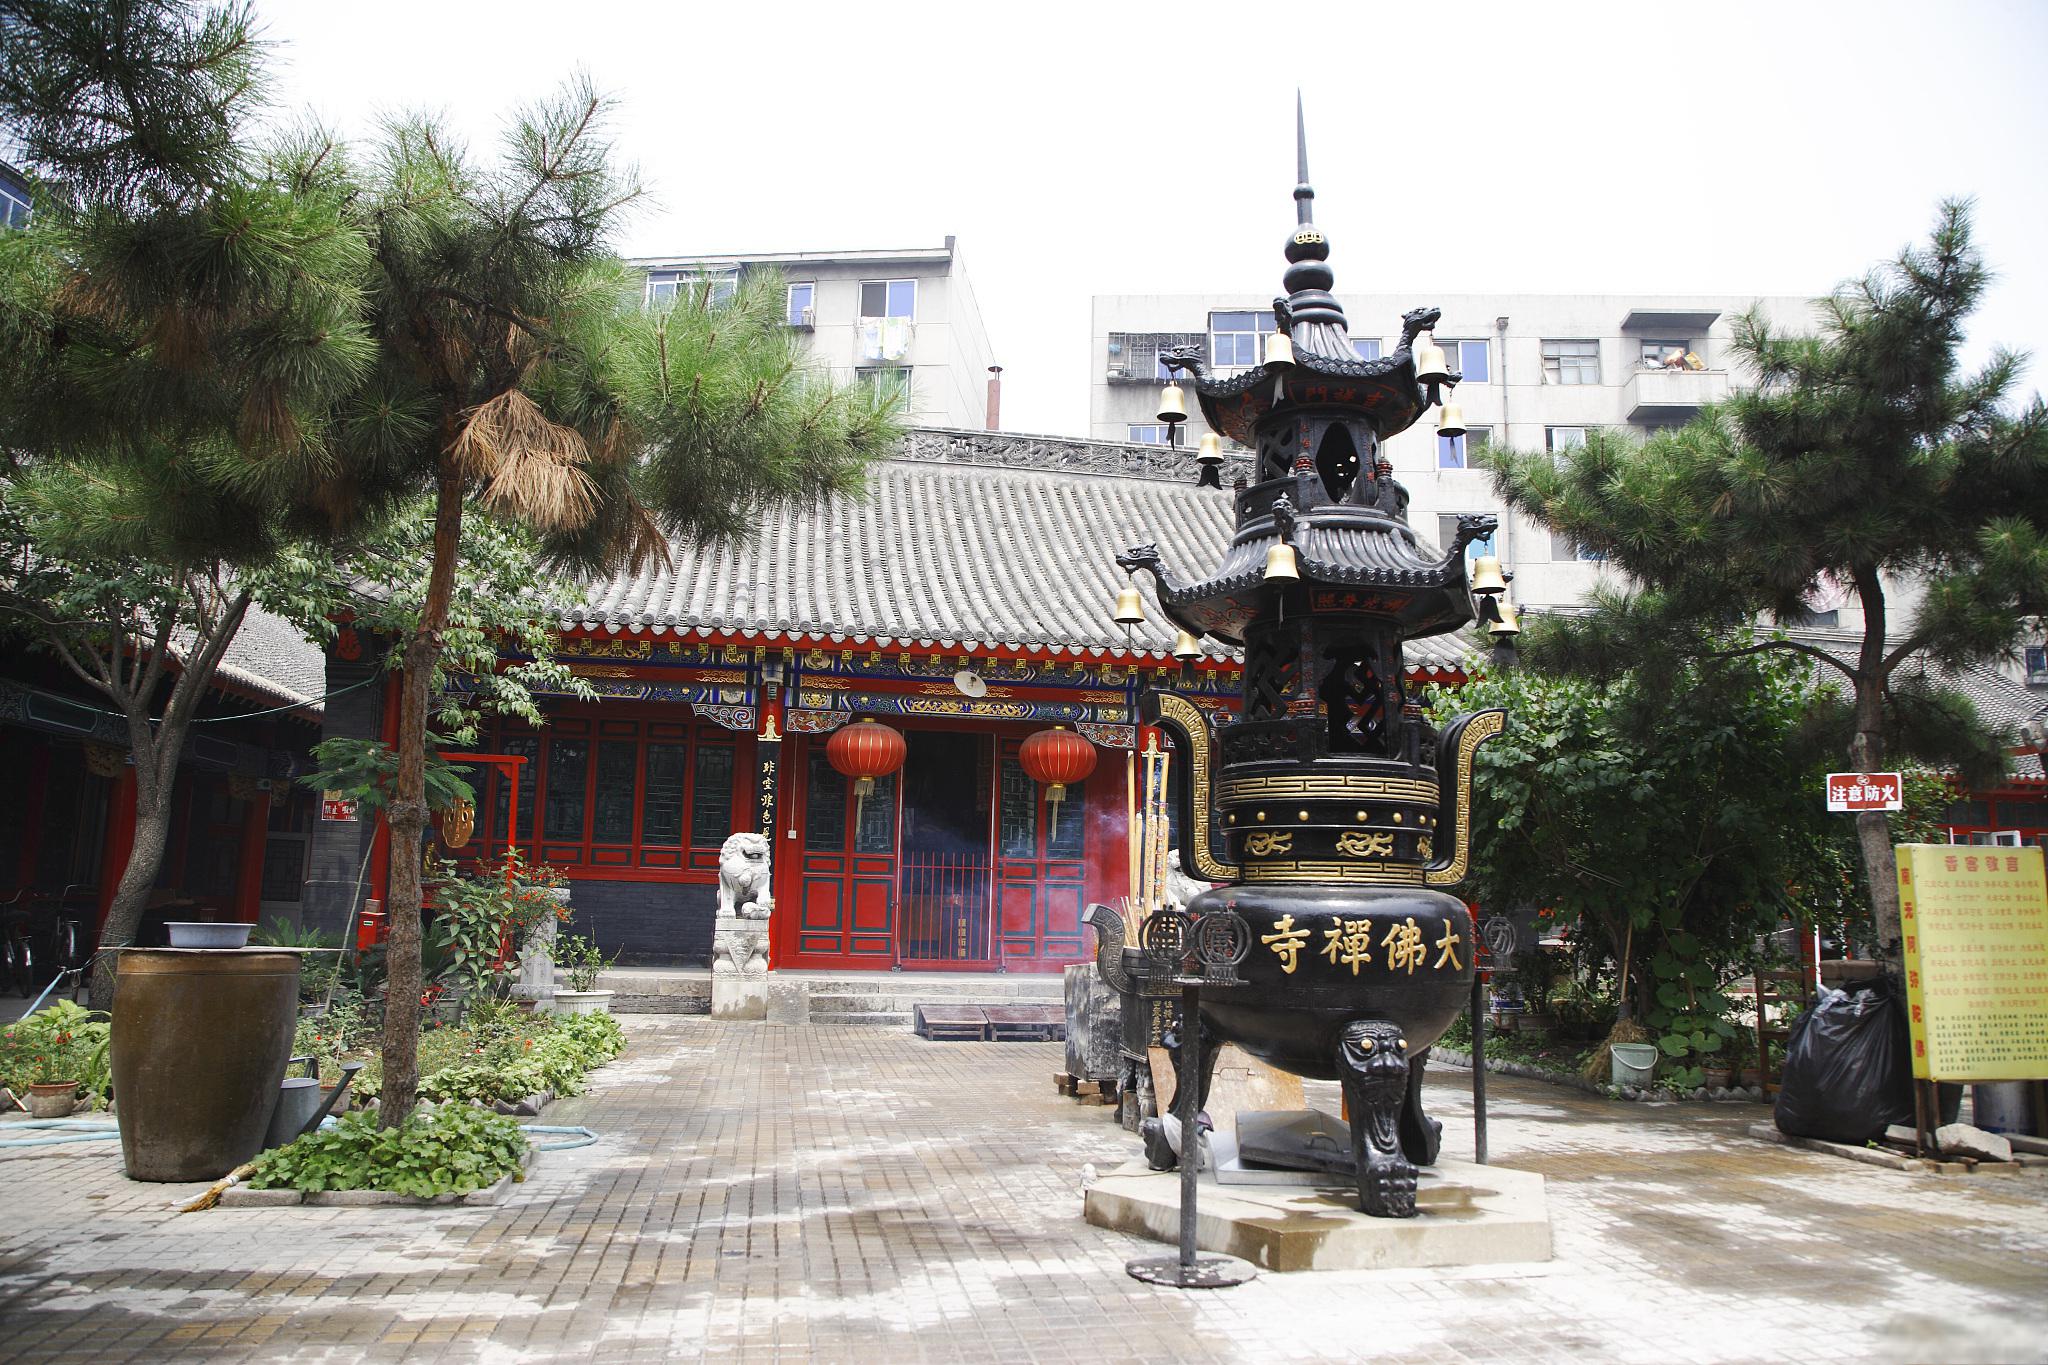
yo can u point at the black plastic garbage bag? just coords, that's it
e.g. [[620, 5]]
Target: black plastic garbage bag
[[1848, 1066]]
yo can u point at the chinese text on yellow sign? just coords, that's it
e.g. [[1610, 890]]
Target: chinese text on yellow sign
[[1975, 921]]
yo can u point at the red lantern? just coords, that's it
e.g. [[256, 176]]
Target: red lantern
[[865, 751], [1057, 757]]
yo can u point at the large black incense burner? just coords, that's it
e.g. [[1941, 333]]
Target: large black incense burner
[[1337, 814]]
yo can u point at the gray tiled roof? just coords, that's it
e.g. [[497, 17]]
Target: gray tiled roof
[[272, 659], [2003, 703], [949, 546]]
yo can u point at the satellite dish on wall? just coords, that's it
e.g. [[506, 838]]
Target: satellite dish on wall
[[970, 683]]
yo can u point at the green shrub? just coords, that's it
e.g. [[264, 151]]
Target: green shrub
[[512, 1054], [455, 1150]]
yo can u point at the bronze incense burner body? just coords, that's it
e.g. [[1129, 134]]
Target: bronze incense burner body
[[1334, 814]]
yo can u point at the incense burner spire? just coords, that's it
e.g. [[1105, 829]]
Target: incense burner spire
[[1310, 314]]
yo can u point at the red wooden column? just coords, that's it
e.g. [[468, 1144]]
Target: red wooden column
[[249, 875], [765, 802], [36, 783], [120, 840]]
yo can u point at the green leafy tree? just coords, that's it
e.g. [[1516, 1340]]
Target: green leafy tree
[[1865, 461], [516, 373], [173, 325], [1669, 821]]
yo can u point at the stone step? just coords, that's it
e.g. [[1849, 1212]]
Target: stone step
[[910, 983], [878, 1019]]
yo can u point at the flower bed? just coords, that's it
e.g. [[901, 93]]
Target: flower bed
[[453, 1152], [500, 1053]]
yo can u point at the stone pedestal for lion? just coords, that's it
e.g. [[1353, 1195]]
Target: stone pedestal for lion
[[739, 936]]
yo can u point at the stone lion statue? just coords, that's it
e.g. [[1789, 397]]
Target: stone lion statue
[[743, 878]]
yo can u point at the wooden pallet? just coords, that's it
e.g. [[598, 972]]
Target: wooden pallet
[[952, 1023], [1084, 1089], [1026, 1023]]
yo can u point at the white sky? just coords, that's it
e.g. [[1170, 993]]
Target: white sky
[[1080, 149]]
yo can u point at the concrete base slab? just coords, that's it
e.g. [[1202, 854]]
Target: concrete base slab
[[1467, 1215]]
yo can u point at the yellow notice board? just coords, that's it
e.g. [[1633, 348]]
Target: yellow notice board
[[1975, 920]]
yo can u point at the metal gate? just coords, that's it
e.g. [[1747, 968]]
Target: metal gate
[[943, 909]]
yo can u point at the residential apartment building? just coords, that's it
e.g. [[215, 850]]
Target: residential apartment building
[[1539, 372], [906, 319]]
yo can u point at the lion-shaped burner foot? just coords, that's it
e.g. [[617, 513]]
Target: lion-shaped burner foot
[[1372, 1063]]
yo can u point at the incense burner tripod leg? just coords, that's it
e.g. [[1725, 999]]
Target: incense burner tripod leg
[[1373, 1067]]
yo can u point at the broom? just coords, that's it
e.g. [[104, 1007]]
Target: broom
[[1599, 1067], [214, 1191]]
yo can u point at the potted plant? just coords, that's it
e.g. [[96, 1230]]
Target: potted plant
[[1742, 1056], [580, 961], [56, 1072], [54, 1054]]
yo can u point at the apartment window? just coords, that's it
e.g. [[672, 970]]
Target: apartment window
[[1151, 433], [2037, 665], [1453, 451], [1563, 438], [1571, 362], [888, 298], [803, 299], [1447, 531], [1657, 353], [889, 381], [1234, 338], [1367, 348], [1468, 359], [1563, 547], [13, 207], [666, 286]]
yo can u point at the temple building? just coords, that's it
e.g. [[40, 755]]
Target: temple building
[[967, 603]]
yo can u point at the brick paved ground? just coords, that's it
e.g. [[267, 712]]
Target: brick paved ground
[[859, 1195]]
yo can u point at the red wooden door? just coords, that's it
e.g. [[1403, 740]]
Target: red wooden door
[[846, 884], [1041, 870]]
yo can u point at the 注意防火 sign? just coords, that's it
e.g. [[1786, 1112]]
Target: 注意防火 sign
[[1866, 791]]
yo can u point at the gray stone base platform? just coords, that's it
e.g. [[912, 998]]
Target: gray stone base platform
[[883, 999], [1468, 1215]]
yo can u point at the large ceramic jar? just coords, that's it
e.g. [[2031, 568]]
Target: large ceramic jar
[[200, 1041]]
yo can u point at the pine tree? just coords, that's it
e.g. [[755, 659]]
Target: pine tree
[[174, 323], [1864, 460], [517, 370]]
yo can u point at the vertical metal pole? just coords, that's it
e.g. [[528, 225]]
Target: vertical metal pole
[[1479, 1068], [1189, 1104]]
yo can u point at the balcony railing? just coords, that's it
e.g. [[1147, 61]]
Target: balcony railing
[[1672, 395]]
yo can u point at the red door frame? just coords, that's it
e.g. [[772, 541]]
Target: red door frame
[[1103, 865]]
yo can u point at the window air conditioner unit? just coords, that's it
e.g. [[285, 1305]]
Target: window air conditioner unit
[[808, 318]]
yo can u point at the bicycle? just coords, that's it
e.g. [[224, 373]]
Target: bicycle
[[17, 949]]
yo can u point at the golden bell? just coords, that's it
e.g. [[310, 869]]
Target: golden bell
[[1173, 404], [1486, 579], [1430, 365], [1279, 351], [1130, 606], [1212, 449], [1510, 622], [1186, 647], [1450, 421], [1280, 562]]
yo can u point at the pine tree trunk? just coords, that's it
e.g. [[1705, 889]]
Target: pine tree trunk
[[1866, 755], [407, 817], [1874, 839], [131, 895]]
